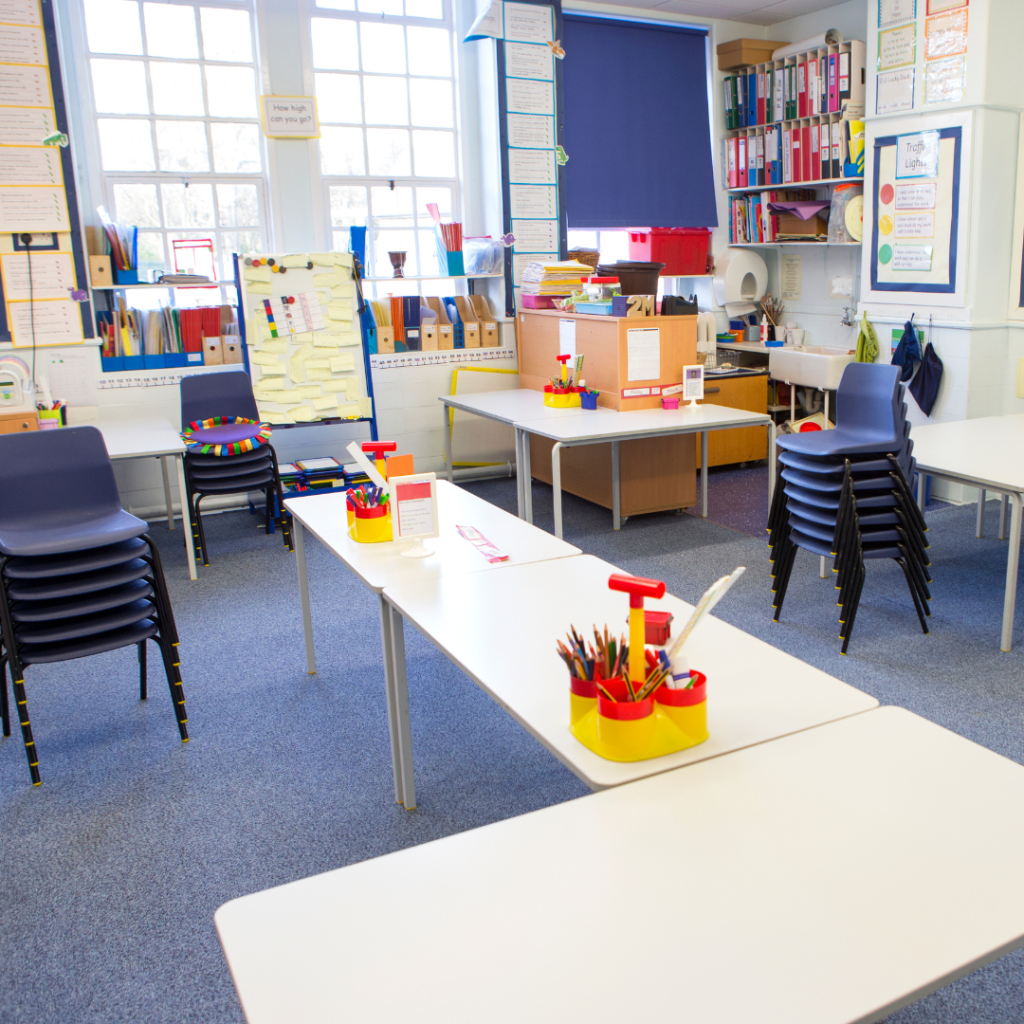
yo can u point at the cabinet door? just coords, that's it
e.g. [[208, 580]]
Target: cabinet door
[[746, 444]]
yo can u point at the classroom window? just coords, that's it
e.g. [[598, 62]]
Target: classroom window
[[174, 93], [385, 80]]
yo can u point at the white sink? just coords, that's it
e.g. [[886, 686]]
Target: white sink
[[810, 366]]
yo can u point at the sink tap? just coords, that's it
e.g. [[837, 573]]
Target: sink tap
[[847, 320]]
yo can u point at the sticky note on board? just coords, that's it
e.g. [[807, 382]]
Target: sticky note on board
[[263, 358], [272, 371], [339, 327], [296, 261], [309, 390], [277, 346], [342, 259], [322, 259], [257, 273], [335, 387], [366, 406], [302, 337], [350, 409], [325, 280], [345, 290], [265, 334], [325, 402], [342, 363], [276, 417], [271, 384], [304, 414], [296, 370], [323, 296], [339, 309], [315, 374], [259, 288], [318, 364], [346, 340]]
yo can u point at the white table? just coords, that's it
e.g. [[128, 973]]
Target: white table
[[154, 439], [986, 453], [755, 692], [380, 565], [525, 412], [830, 877]]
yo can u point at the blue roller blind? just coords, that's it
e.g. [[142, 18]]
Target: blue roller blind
[[636, 125]]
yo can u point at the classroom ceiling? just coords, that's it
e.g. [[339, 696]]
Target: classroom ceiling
[[756, 12]]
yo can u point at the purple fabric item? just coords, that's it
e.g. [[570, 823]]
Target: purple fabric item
[[227, 433], [804, 210]]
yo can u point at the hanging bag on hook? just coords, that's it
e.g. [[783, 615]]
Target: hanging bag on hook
[[908, 351], [925, 386]]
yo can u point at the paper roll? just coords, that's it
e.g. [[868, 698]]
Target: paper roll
[[702, 331], [741, 278], [831, 37]]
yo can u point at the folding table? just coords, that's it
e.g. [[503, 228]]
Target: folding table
[[154, 439], [829, 877]]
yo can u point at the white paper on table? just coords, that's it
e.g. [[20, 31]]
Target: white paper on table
[[53, 275], [643, 354]]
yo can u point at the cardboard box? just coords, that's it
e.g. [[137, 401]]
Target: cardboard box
[[791, 226], [99, 272], [445, 330], [740, 53], [213, 352], [488, 322], [385, 341], [470, 323], [231, 345]]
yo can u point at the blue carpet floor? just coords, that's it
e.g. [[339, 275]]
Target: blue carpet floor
[[111, 871]]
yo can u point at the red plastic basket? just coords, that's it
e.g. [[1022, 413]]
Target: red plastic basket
[[684, 251]]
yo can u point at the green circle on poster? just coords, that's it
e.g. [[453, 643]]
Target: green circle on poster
[[885, 254]]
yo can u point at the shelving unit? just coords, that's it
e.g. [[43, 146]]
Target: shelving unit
[[798, 184], [434, 277], [799, 245]]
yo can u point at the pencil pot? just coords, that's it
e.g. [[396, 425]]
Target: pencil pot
[[625, 728], [372, 525], [686, 709], [582, 698], [588, 400], [126, 276]]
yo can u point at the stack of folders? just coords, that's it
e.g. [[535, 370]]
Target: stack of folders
[[750, 219], [554, 279]]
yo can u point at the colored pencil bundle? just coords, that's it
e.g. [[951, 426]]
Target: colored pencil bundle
[[124, 241], [368, 496]]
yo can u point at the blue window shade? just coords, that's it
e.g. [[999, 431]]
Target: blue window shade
[[637, 132]]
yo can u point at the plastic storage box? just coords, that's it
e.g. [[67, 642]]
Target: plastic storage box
[[684, 251]]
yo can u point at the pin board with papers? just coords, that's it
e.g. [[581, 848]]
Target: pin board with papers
[[303, 338]]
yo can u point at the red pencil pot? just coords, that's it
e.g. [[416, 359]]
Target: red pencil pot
[[625, 728], [582, 698], [696, 694], [686, 709], [372, 525]]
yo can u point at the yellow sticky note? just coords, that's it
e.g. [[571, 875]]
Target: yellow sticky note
[[263, 358], [322, 259], [347, 340], [335, 387], [340, 306], [289, 399], [322, 296], [349, 409], [271, 384], [309, 390], [345, 290], [366, 405], [315, 374], [257, 273], [303, 337], [271, 417], [295, 368], [317, 364], [325, 280], [258, 288], [339, 327], [276, 345], [353, 388], [342, 259], [296, 261], [342, 363], [325, 402], [265, 334], [272, 371], [321, 340], [304, 414]]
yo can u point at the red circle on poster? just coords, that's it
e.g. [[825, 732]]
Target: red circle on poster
[[887, 194]]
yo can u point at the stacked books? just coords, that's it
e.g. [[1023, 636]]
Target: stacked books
[[555, 279]]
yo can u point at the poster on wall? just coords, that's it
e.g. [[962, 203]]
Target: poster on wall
[[916, 232], [1016, 311]]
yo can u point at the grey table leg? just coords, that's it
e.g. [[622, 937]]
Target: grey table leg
[[922, 482], [186, 519], [704, 474], [167, 491], [520, 496], [556, 486], [527, 477], [1012, 561], [616, 489], [401, 692], [1002, 517], [387, 651], [980, 531], [447, 442], [307, 618]]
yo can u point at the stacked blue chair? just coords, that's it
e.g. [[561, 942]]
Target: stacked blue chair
[[203, 397], [846, 494], [78, 574]]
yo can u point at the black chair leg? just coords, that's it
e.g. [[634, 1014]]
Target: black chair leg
[[848, 625], [5, 711], [171, 668], [913, 593], [268, 507], [142, 670], [18, 680], [166, 614], [202, 532]]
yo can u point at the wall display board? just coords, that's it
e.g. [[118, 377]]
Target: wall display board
[[1016, 311], [531, 131], [303, 344], [40, 281], [916, 225]]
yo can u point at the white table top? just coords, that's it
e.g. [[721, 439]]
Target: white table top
[[609, 424], [987, 451], [755, 692], [382, 565], [509, 406], [136, 439], [826, 878]]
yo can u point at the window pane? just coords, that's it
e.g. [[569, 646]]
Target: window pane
[[348, 205], [383, 47], [241, 242], [151, 251], [395, 241], [334, 44], [385, 99], [113, 26], [195, 258], [137, 204], [120, 86], [341, 151], [231, 92], [441, 196], [188, 207], [388, 150], [337, 98], [431, 102], [170, 31], [237, 205], [337, 5], [236, 148], [434, 153], [381, 7], [581, 239], [182, 146], [177, 88], [226, 34], [614, 246], [392, 207], [126, 145], [423, 9], [341, 238], [430, 52]]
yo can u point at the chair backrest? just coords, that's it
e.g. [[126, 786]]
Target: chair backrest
[[225, 393], [869, 398], [50, 475]]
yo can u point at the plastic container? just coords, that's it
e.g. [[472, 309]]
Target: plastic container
[[562, 399], [625, 728], [657, 625], [838, 231], [537, 302], [588, 399], [672, 402], [372, 525], [595, 308], [634, 278], [684, 251], [483, 255], [582, 699], [687, 710], [599, 289]]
